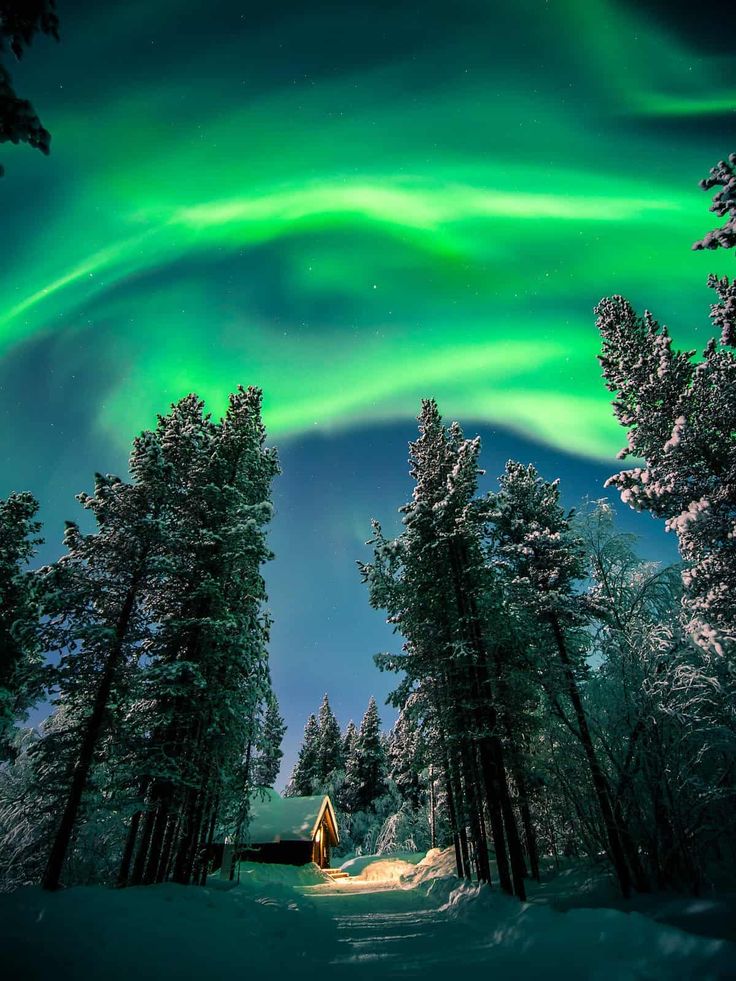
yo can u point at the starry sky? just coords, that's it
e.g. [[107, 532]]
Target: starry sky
[[352, 206]]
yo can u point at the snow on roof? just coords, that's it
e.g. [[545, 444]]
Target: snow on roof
[[274, 818]]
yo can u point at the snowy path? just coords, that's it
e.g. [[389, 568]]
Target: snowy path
[[274, 926], [386, 930], [395, 939]]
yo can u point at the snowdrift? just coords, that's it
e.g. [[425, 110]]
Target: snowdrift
[[407, 869], [478, 928], [526, 940], [183, 933], [356, 866], [289, 923], [259, 875]]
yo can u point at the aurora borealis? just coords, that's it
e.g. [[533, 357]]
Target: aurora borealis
[[352, 206]]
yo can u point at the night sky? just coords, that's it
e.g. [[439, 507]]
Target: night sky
[[351, 205]]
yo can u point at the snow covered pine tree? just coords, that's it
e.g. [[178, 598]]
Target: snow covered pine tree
[[208, 664], [681, 419], [433, 582], [303, 781], [173, 572], [365, 769]]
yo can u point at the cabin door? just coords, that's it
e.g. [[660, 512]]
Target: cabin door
[[320, 847]]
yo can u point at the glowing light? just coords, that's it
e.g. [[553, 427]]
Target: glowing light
[[354, 242]]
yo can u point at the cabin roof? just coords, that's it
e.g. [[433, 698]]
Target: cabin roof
[[274, 818]]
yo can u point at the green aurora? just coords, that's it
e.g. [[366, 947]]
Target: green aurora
[[439, 220]]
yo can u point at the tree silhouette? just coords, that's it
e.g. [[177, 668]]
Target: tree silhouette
[[20, 21]]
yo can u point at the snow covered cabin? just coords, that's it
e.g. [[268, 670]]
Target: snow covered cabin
[[291, 830]]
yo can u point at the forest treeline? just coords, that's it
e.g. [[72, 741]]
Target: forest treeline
[[557, 694], [575, 698], [378, 782], [164, 714]]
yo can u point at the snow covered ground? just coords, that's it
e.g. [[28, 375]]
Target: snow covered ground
[[394, 918]]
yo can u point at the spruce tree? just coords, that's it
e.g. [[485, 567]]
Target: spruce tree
[[681, 420], [406, 759], [348, 739], [433, 582], [268, 762], [303, 782], [21, 673], [209, 666], [101, 619], [330, 758], [366, 768]]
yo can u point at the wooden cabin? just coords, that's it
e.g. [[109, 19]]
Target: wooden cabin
[[288, 831]]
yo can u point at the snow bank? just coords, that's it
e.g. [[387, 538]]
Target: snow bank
[[386, 870], [426, 924], [261, 875], [584, 943], [435, 864], [528, 940], [163, 932], [355, 866]]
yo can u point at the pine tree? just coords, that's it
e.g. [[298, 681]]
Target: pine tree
[[723, 175], [366, 769], [268, 763], [303, 782], [101, 619], [170, 680], [541, 558], [209, 666], [173, 572], [21, 673], [19, 23], [433, 582], [348, 739], [329, 759], [681, 419]]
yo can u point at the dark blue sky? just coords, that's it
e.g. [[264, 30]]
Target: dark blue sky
[[353, 206]]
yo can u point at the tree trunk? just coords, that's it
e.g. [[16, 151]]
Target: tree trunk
[[167, 852], [472, 786], [518, 868], [90, 739], [208, 847], [530, 837], [600, 783], [456, 806], [140, 859], [491, 748], [181, 858], [432, 815], [454, 823], [153, 859], [130, 840]]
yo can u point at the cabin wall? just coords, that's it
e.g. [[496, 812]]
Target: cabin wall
[[321, 849], [321, 853], [279, 853]]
